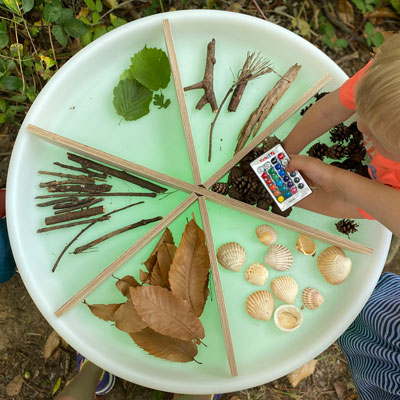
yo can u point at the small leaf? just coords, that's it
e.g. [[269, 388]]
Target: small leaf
[[3, 39], [90, 4], [51, 344], [99, 30], [156, 277], [346, 12], [27, 5], [59, 34], [127, 319], [150, 67], [301, 373], [14, 386], [56, 386], [165, 256], [166, 313], [131, 99], [65, 14], [377, 39], [13, 6], [341, 43], [75, 27], [369, 28], [158, 100], [52, 12], [11, 83], [99, 6], [396, 5], [166, 237], [164, 347], [104, 311], [116, 22], [360, 5], [125, 283], [95, 17]]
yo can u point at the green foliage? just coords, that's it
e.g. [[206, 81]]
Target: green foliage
[[367, 5], [158, 100], [3, 34], [396, 5], [131, 99], [329, 35], [373, 38]]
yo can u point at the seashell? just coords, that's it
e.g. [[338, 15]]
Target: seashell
[[260, 305], [266, 234], [330, 250], [256, 274], [231, 256], [335, 268], [306, 245], [312, 298], [279, 257], [285, 288], [288, 318]]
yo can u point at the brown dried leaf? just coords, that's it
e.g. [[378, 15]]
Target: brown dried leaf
[[51, 344], [156, 277], [127, 318], [14, 386], [340, 389], [125, 283], [383, 12], [165, 347], [189, 270], [166, 313], [166, 237], [143, 276], [301, 373], [165, 256], [104, 311], [346, 12]]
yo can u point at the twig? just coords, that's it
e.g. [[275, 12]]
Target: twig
[[85, 170], [89, 164], [86, 228], [90, 212], [56, 201], [70, 176], [208, 81], [93, 243], [75, 202], [89, 188], [79, 181], [19, 56], [72, 224], [87, 205], [49, 196], [52, 46]]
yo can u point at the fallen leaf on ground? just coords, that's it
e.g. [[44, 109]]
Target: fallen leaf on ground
[[165, 347], [15, 385], [51, 344], [346, 12], [166, 313], [340, 388], [301, 373]]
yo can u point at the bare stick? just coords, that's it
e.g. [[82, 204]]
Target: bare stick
[[106, 273], [85, 229], [72, 224], [208, 81], [86, 171], [85, 194], [75, 202], [95, 242], [85, 205], [90, 212], [78, 181], [218, 286], [69, 176], [116, 173], [80, 188], [56, 201]]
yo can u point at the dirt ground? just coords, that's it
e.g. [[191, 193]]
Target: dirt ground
[[23, 330]]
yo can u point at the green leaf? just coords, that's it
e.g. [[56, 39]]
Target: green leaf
[[151, 68], [99, 6], [127, 74], [99, 30], [396, 5], [341, 43], [327, 41], [369, 28], [75, 27], [3, 105], [52, 12], [59, 34], [116, 22], [12, 5], [87, 38], [360, 5], [27, 5], [377, 39], [3, 39], [90, 4], [31, 93], [131, 99], [65, 14], [18, 98], [158, 100], [3, 118], [95, 17], [11, 83]]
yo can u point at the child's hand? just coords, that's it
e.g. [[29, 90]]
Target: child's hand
[[320, 174]]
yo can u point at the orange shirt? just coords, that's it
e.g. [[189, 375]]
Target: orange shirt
[[380, 168]]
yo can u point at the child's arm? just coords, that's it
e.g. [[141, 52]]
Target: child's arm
[[354, 191], [322, 116]]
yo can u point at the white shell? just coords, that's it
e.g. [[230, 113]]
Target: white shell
[[260, 305], [256, 274], [312, 298], [266, 234], [330, 250], [288, 318], [285, 288], [279, 257], [335, 268], [231, 256], [306, 245]]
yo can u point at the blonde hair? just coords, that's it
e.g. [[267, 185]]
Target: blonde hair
[[377, 94]]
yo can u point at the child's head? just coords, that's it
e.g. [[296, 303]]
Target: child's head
[[377, 95]]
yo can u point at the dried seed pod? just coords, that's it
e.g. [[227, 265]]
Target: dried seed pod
[[256, 274], [312, 298], [288, 318], [266, 234], [231, 256], [306, 245], [285, 288], [260, 305], [279, 257]]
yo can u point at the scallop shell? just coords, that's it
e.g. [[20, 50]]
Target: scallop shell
[[335, 268], [266, 234], [312, 298], [279, 257], [288, 318], [256, 274], [306, 245], [330, 250], [260, 305], [285, 288], [231, 256]]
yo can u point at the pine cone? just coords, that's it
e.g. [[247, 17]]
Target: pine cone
[[303, 110], [319, 96], [265, 204], [340, 134], [356, 150], [336, 152], [276, 210], [346, 226], [220, 187], [338, 164], [318, 150], [251, 197], [234, 173], [351, 165], [245, 184], [356, 135], [235, 194]]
